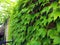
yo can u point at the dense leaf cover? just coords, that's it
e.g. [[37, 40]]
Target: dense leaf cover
[[35, 22]]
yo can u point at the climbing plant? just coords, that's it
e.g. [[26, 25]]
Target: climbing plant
[[35, 22]]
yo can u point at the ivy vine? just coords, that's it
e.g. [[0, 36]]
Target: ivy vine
[[35, 22]]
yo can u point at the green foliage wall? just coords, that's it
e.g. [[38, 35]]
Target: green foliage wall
[[35, 22]]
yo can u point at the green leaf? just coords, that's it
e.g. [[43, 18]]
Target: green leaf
[[58, 26], [56, 40], [33, 42], [42, 31], [46, 9], [24, 10], [56, 11], [54, 5], [52, 33], [46, 41], [56, 14]]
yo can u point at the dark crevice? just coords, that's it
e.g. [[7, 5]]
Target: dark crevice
[[51, 25], [31, 23], [51, 1], [24, 42], [34, 1], [36, 9], [50, 11]]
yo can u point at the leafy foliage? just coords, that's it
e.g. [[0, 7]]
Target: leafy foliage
[[35, 22]]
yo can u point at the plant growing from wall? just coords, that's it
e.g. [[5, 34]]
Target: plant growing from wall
[[35, 22]]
